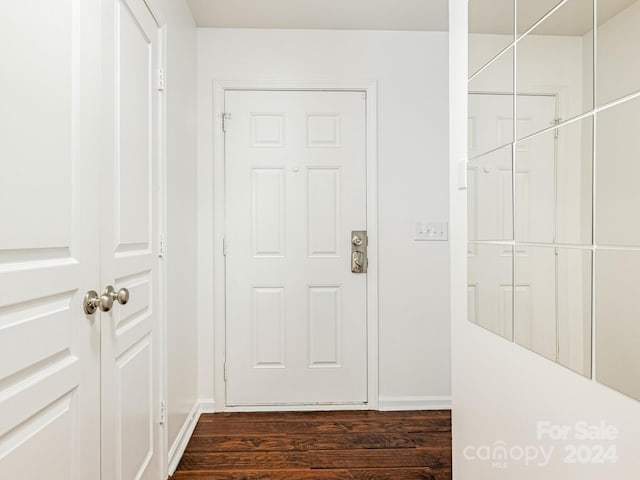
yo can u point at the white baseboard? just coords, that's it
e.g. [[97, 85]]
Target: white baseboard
[[414, 403], [207, 405], [177, 449]]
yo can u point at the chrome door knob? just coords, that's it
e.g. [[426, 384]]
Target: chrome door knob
[[92, 302], [121, 296]]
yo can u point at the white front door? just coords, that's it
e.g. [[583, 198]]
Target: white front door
[[129, 178], [49, 227], [296, 324]]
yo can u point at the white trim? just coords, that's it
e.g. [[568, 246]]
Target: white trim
[[218, 184], [415, 403], [182, 439], [155, 12], [185, 433], [298, 408], [163, 210], [207, 405]]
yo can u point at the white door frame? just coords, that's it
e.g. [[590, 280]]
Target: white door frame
[[219, 209]]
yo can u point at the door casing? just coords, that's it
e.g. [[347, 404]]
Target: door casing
[[219, 208]]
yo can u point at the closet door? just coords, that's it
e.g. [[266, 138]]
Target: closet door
[[129, 221], [49, 240]]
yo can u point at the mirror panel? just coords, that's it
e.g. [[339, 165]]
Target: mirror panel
[[556, 57], [491, 106], [531, 11], [534, 319], [552, 304], [491, 26], [530, 174], [490, 289], [490, 196], [553, 184], [574, 272], [618, 320], [618, 69], [617, 192]]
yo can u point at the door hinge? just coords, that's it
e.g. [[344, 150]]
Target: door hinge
[[224, 373], [225, 118], [163, 245], [162, 79], [224, 246], [163, 412]]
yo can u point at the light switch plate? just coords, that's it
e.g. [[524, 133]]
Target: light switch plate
[[431, 231]]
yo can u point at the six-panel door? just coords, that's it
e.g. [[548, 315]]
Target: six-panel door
[[295, 189]]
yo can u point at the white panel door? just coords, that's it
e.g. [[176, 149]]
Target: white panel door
[[295, 189], [49, 257], [129, 219]]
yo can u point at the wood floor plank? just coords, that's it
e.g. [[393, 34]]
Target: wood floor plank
[[350, 459], [420, 473], [328, 415], [266, 475], [280, 442], [243, 460], [319, 426]]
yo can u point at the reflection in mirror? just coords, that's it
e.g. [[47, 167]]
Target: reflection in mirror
[[617, 192], [490, 287], [552, 304], [490, 30], [574, 308], [531, 11], [617, 326], [491, 106], [556, 57], [489, 196], [553, 183], [618, 70]]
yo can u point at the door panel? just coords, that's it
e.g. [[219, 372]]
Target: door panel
[[130, 374], [49, 257], [296, 188]]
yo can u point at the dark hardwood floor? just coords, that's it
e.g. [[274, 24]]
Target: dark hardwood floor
[[350, 445]]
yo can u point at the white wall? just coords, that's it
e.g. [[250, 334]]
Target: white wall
[[181, 259], [411, 70], [500, 390]]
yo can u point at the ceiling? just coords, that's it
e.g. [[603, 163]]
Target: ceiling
[[411, 15]]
